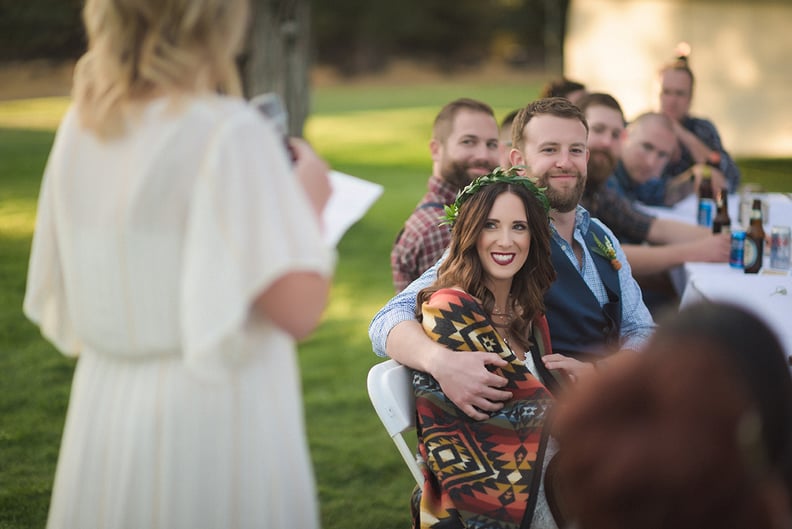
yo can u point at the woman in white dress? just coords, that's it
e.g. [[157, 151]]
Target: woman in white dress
[[179, 254]]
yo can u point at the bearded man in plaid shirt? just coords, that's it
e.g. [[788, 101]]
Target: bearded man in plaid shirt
[[464, 145]]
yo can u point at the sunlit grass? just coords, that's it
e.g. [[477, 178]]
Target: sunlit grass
[[382, 137], [33, 114], [503, 95], [18, 218]]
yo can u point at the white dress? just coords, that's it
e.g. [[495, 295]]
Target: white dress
[[147, 254]]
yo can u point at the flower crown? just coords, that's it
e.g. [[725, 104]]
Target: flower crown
[[508, 176]]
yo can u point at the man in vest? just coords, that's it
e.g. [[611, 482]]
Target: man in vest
[[594, 308], [464, 145]]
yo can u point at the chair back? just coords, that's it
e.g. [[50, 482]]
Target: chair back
[[390, 390]]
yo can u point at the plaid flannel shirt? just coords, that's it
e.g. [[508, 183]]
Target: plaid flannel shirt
[[628, 223], [423, 240]]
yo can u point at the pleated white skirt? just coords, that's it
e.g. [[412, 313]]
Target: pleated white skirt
[[146, 445]]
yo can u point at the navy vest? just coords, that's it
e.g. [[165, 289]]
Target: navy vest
[[579, 327]]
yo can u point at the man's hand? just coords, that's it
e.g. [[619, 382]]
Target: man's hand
[[574, 369], [699, 170], [465, 379], [714, 248]]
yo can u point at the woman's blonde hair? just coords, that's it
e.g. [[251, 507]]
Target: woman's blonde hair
[[141, 48]]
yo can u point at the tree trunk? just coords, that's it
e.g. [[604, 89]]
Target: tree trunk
[[553, 37], [278, 55]]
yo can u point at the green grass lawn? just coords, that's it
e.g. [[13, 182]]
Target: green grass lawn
[[377, 133]]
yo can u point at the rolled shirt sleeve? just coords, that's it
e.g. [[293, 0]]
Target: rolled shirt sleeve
[[400, 308]]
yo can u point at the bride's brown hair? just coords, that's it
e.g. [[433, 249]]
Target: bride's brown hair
[[462, 267]]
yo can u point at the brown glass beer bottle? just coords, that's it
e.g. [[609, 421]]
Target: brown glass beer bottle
[[706, 202], [754, 240], [722, 221]]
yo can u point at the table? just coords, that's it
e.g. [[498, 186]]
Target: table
[[767, 294], [779, 206]]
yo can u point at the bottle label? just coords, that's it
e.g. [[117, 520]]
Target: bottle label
[[780, 247], [706, 209], [750, 253], [737, 249]]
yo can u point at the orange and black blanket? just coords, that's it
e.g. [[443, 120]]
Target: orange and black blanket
[[479, 473]]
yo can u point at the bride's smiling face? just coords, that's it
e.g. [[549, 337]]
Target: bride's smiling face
[[505, 239]]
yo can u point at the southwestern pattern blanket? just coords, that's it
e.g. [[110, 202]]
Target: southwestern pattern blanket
[[480, 473]]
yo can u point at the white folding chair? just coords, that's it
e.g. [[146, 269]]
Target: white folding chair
[[390, 390]]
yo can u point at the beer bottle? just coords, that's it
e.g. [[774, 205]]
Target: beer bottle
[[722, 221], [706, 204], [754, 240]]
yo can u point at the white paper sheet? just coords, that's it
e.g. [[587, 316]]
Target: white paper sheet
[[349, 201]]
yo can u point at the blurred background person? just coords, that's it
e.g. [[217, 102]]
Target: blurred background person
[[563, 87], [464, 145], [699, 146], [648, 144], [697, 432], [505, 138], [178, 255]]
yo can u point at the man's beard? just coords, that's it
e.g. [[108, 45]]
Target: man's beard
[[601, 165], [565, 200], [457, 173]]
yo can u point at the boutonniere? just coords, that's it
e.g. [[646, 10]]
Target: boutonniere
[[606, 250]]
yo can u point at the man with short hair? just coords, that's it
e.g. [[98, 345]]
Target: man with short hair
[[464, 145], [563, 87], [594, 307], [606, 134], [647, 148]]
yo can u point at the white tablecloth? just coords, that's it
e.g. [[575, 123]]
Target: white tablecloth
[[769, 296]]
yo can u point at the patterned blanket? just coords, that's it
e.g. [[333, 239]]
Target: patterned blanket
[[479, 473]]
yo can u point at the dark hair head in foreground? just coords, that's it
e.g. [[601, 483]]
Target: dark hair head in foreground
[[696, 432]]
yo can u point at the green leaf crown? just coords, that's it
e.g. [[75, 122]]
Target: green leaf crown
[[508, 176]]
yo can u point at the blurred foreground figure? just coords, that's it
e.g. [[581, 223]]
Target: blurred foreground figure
[[178, 252], [695, 433]]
